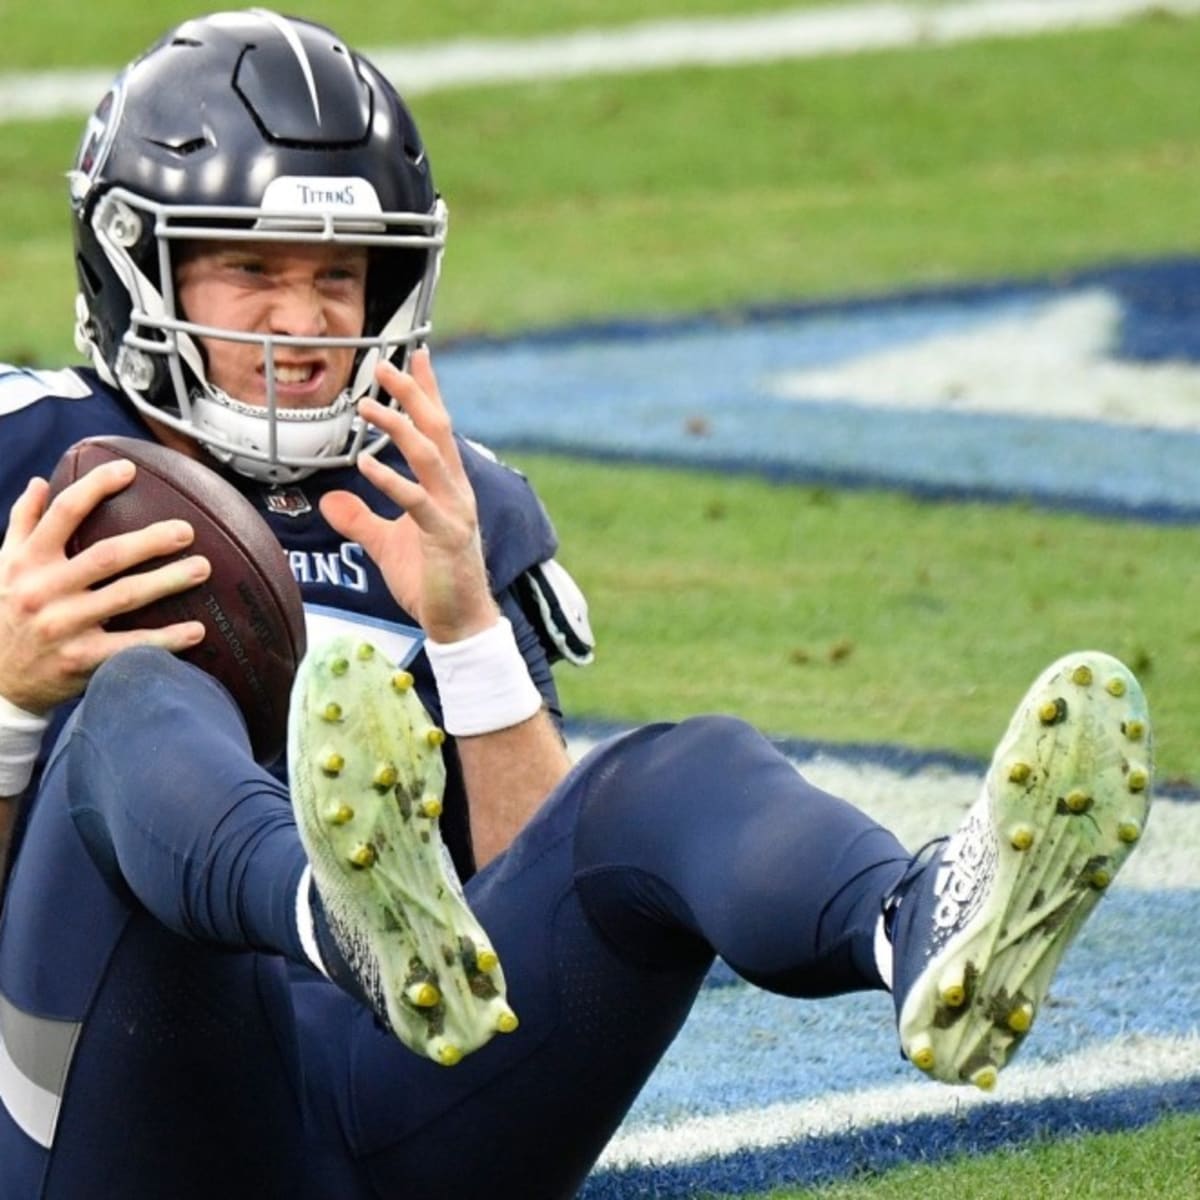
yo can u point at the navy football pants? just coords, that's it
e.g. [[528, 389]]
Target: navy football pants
[[663, 848]]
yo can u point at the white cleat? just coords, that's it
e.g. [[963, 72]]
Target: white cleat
[[979, 926], [367, 779]]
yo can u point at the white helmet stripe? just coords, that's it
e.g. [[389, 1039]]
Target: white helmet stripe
[[297, 47]]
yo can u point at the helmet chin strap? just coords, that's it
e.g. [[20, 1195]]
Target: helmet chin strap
[[224, 424]]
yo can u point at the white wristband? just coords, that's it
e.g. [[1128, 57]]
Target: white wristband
[[20, 739], [483, 681]]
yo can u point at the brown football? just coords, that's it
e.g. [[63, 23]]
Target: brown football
[[250, 604]]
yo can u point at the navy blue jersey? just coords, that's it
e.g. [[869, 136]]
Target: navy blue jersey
[[42, 413]]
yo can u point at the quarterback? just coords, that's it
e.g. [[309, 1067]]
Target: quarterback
[[223, 978]]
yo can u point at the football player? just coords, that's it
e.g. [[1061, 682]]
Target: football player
[[219, 980]]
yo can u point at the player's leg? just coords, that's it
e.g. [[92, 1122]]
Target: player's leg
[[787, 888], [165, 792], [606, 910], [663, 846]]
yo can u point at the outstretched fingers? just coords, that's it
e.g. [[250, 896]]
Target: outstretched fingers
[[431, 556], [440, 499]]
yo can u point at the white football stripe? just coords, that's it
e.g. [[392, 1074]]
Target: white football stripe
[[661, 45], [1130, 1063]]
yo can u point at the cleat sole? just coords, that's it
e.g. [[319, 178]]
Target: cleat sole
[[1030, 861], [366, 797]]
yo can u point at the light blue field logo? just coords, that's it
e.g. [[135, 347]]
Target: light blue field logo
[[1079, 393], [1082, 392]]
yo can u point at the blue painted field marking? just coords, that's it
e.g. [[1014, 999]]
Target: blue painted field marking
[[727, 392]]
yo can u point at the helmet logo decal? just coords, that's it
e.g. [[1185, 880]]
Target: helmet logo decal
[[97, 140], [341, 194]]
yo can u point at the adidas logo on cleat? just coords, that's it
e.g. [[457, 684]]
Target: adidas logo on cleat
[[964, 875]]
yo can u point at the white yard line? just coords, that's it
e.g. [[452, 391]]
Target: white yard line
[[1132, 1062], [661, 45]]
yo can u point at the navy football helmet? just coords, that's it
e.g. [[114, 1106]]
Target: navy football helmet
[[249, 125]]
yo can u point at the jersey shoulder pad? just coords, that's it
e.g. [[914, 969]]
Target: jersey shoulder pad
[[516, 529], [44, 412], [21, 387], [558, 610]]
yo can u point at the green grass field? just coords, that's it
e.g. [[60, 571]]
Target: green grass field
[[1161, 1162], [845, 616]]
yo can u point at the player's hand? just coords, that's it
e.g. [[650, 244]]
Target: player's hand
[[431, 557], [52, 607]]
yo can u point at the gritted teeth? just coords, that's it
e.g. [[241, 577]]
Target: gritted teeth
[[292, 373]]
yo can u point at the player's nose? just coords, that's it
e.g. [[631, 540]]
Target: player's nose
[[297, 310]]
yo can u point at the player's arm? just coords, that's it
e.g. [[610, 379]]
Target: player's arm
[[53, 606], [432, 559]]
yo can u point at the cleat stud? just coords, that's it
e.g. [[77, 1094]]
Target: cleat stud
[[339, 814], [333, 764], [1100, 878], [363, 855], [364, 652], [331, 712], [1053, 712], [487, 960], [1134, 730], [954, 996], [1021, 1018], [423, 995], [507, 1021], [401, 681], [339, 665], [430, 808], [920, 1052], [985, 1078], [435, 737], [1129, 832], [1021, 837], [1019, 772], [448, 1054], [1138, 780], [385, 777], [1078, 801], [1115, 686], [1082, 675]]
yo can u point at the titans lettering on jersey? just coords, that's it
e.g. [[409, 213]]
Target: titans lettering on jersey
[[344, 569]]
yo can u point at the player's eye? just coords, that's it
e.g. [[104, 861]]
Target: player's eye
[[351, 271]]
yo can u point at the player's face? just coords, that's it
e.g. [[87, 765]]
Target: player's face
[[288, 289]]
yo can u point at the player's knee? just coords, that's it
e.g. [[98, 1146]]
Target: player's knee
[[717, 740], [126, 677], [148, 680]]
